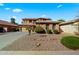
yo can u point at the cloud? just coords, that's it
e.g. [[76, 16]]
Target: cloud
[[59, 6], [1, 4], [13, 16], [17, 10], [43, 15], [7, 8]]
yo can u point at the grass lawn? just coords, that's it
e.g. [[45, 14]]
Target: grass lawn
[[71, 42]]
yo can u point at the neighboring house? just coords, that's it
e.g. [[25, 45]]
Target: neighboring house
[[6, 26], [46, 23], [70, 27]]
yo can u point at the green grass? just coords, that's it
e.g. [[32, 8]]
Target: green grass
[[71, 42]]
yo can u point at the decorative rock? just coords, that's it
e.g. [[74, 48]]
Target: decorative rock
[[38, 44], [54, 39], [34, 39]]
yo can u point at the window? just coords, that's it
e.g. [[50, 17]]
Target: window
[[34, 21], [30, 21]]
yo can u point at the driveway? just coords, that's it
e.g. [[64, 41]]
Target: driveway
[[8, 38]]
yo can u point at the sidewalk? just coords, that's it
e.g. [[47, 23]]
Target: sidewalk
[[39, 52]]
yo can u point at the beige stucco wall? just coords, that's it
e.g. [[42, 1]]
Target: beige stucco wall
[[27, 22], [50, 26], [5, 28], [24, 29], [68, 28], [57, 27]]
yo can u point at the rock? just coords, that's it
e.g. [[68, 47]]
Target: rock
[[34, 39], [38, 44]]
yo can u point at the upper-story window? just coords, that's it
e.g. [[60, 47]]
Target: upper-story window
[[34, 21], [30, 21]]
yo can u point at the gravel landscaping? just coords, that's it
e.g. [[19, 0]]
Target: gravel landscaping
[[38, 42]]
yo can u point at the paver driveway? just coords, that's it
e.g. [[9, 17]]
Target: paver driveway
[[8, 38]]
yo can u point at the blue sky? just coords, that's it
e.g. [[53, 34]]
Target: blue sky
[[55, 11]]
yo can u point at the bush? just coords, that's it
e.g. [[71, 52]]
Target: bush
[[71, 42], [39, 29], [56, 32], [28, 27], [49, 31]]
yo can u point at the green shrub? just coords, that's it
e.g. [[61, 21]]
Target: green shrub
[[56, 32], [71, 42], [39, 29], [49, 31]]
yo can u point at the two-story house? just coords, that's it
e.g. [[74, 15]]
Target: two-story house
[[46, 23]]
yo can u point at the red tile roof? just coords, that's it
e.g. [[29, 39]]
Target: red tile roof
[[69, 22], [48, 22], [44, 18], [25, 25], [36, 19], [29, 19], [6, 23]]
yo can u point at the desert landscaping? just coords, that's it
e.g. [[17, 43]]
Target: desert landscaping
[[33, 31], [38, 42]]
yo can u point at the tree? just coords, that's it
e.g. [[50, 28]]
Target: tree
[[13, 21], [61, 20]]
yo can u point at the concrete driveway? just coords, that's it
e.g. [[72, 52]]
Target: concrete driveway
[[8, 38]]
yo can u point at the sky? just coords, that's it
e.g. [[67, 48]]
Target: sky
[[55, 11]]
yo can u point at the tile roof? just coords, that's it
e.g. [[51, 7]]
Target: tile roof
[[29, 19], [36, 18], [48, 21], [69, 22], [6, 23], [27, 24]]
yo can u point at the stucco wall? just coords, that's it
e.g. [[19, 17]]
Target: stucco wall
[[5, 28], [50, 26], [27, 22], [23, 29], [69, 28]]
